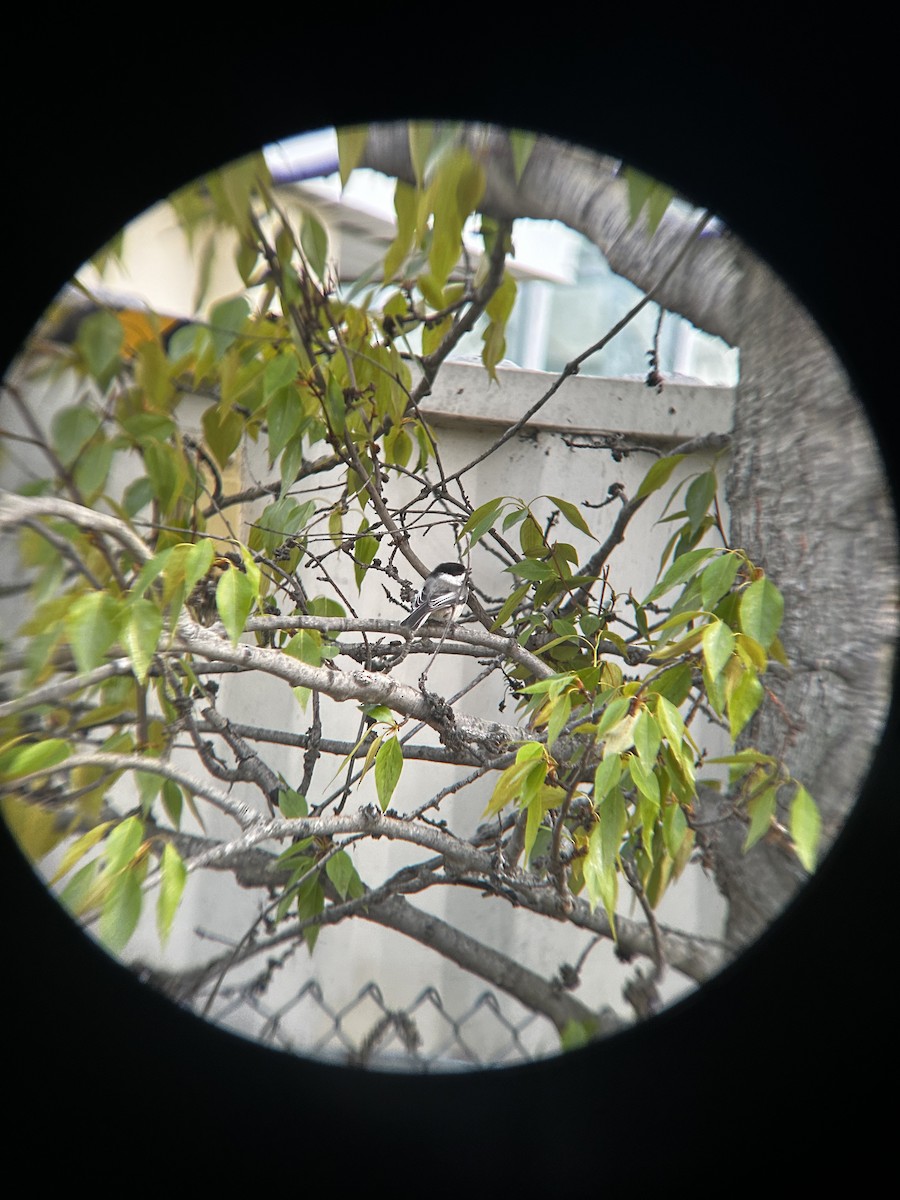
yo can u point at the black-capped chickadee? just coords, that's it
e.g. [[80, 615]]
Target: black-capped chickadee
[[442, 592]]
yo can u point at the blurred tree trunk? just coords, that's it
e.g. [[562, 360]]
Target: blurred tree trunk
[[810, 503]]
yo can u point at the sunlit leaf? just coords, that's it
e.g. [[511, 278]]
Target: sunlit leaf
[[718, 646], [646, 736], [77, 850], [140, 635], [291, 804], [658, 474], [482, 519], [388, 765], [698, 498], [121, 912], [70, 431], [351, 145], [717, 578], [36, 829], [235, 596], [25, 758], [173, 876], [123, 843], [100, 338], [92, 627], [606, 776], [743, 701], [314, 243], [573, 514], [343, 874], [806, 827], [521, 144], [680, 569], [762, 609], [761, 810]]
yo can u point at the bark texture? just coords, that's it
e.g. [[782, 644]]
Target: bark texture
[[810, 503]]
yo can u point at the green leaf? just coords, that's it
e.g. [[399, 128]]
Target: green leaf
[[698, 498], [761, 810], [572, 514], [279, 520], [644, 191], [761, 611], [280, 372], [291, 462], [510, 781], [717, 578], [559, 715], [305, 645], [351, 145], [606, 776], [152, 568], [223, 429], [92, 627], [613, 822], [70, 431], [235, 596], [121, 912], [671, 723], [78, 849], [658, 474], [521, 144], [612, 714], [343, 874], [25, 758], [92, 468], [674, 683], [137, 495], [530, 568], [123, 843], [193, 560], [99, 339], [173, 800], [681, 569], [284, 416], [140, 635], [388, 765], [718, 646], [576, 1034], [335, 406], [743, 701], [510, 606], [806, 827], [406, 203], [226, 320], [644, 780], [291, 804], [531, 539], [675, 827], [647, 737], [365, 547], [310, 902], [314, 244], [482, 519], [600, 877], [173, 876], [421, 134]]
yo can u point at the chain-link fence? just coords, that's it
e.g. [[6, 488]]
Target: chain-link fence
[[422, 1036]]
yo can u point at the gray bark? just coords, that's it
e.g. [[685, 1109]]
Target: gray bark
[[810, 503]]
